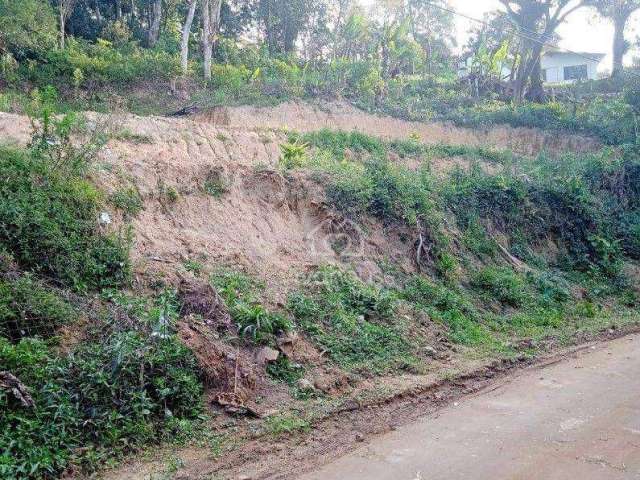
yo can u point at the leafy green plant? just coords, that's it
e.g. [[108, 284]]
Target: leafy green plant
[[253, 320], [293, 155], [86, 400], [29, 309], [52, 135], [128, 200], [214, 187], [503, 285], [351, 321], [49, 223]]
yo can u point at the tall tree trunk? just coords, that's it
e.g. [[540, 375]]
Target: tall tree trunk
[[186, 32], [154, 27], [63, 21], [210, 23], [536, 90], [99, 13], [619, 45]]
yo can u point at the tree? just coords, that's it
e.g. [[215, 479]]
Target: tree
[[65, 7], [154, 24], [210, 25], [186, 32], [536, 21], [27, 28], [432, 27], [282, 21], [618, 11]]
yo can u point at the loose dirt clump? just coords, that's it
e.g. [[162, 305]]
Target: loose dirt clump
[[202, 300], [228, 371]]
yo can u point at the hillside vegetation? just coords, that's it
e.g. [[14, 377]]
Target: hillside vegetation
[[178, 268]]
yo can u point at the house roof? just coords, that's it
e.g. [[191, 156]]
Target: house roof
[[591, 55]]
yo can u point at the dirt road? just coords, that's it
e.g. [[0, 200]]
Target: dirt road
[[576, 419]]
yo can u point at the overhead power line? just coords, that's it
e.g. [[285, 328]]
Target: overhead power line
[[522, 33]]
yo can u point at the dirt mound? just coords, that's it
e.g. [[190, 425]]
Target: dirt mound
[[305, 117]]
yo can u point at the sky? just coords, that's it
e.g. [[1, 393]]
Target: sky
[[583, 31]]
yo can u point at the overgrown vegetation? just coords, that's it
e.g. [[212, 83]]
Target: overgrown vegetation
[[104, 400], [354, 322], [126, 381], [253, 319], [507, 252], [383, 60]]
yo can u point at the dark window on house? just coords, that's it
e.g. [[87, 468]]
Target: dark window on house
[[544, 74], [576, 72]]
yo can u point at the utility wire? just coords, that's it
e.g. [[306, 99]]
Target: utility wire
[[523, 35]]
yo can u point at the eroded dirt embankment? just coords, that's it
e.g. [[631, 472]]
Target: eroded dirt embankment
[[304, 117], [273, 226]]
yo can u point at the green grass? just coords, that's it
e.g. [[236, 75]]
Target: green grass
[[353, 322], [126, 135], [286, 424], [254, 321]]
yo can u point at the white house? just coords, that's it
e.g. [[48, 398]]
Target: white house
[[557, 67], [565, 67]]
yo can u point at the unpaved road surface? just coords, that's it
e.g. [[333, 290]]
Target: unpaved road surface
[[576, 419]]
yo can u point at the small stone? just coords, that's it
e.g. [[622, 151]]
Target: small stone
[[104, 218], [359, 437], [304, 384], [432, 352], [267, 355], [244, 477]]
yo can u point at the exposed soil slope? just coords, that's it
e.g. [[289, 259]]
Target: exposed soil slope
[[273, 226], [339, 115]]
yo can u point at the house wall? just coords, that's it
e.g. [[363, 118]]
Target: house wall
[[554, 66]]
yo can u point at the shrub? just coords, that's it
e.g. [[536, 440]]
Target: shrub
[[49, 222], [105, 399], [352, 321], [251, 317], [128, 200], [27, 308], [293, 154], [503, 285]]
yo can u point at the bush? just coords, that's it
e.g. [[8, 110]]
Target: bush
[[352, 321], [251, 317], [103, 400], [28, 309], [101, 65], [503, 285], [28, 28], [49, 223]]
